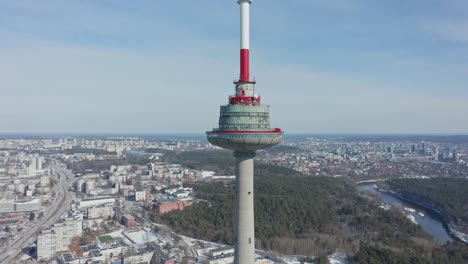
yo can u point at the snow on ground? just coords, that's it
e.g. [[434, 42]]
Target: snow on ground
[[188, 241], [25, 257], [293, 259], [192, 241], [205, 174], [140, 236], [337, 258], [203, 251]]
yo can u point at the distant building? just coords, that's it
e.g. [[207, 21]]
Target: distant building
[[39, 161], [44, 181], [96, 215], [140, 194], [141, 256], [22, 205], [128, 220], [68, 258], [171, 205], [159, 257], [46, 244], [100, 212], [89, 185], [223, 255], [179, 192], [80, 185], [440, 157], [59, 236], [32, 167], [11, 221], [96, 201], [28, 205], [7, 205], [20, 188], [102, 253]]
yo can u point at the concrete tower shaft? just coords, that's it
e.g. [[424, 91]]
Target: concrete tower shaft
[[245, 228]]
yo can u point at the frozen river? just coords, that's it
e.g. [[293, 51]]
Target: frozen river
[[430, 222]]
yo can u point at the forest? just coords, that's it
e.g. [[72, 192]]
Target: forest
[[204, 160], [301, 215], [448, 254]]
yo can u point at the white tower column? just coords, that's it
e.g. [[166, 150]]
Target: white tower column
[[245, 227]]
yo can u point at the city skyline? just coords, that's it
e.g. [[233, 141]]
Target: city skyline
[[357, 66], [120, 194]]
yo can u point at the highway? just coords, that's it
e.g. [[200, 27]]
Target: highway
[[62, 201]]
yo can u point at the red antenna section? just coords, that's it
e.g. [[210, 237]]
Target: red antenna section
[[244, 65]]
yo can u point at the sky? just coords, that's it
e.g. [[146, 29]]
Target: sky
[[324, 66]]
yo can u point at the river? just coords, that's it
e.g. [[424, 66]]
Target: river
[[430, 222]]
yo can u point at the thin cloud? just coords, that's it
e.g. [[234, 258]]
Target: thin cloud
[[113, 70], [448, 30], [114, 90]]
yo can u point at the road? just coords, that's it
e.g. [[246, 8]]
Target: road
[[61, 203]]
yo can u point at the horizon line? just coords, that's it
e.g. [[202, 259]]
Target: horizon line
[[197, 133]]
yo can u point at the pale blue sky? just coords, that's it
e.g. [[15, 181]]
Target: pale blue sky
[[324, 66]]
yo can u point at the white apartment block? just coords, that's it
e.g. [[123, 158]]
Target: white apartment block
[[10, 206], [58, 237], [96, 202], [46, 244], [141, 257], [44, 181], [7, 205], [140, 194], [27, 205], [222, 255], [100, 212]]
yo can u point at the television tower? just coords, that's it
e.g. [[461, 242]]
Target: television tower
[[244, 127]]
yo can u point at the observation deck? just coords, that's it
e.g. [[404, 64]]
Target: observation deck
[[244, 124], [245, 140]]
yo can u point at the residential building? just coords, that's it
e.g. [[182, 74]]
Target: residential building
[[223, 255], [128, 220], [140, 194], [7, 205], [59, 236], [96, 201], [27, 205], [46, 244], [170, 205]]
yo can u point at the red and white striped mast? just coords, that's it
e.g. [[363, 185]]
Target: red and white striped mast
[[244, 127], [245, 40]]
